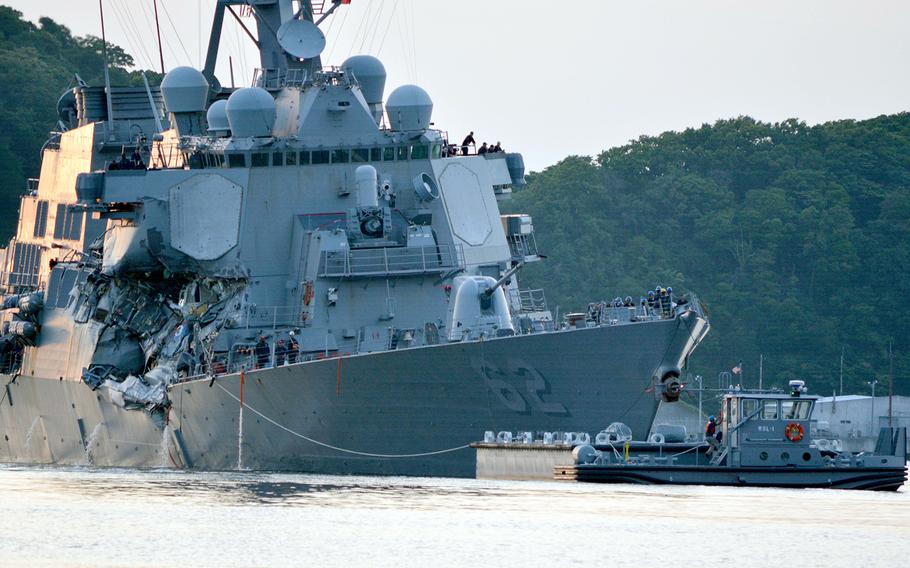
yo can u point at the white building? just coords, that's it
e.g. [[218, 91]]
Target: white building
[[856, 419]]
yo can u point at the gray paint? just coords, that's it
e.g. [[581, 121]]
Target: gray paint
[[268, 232]]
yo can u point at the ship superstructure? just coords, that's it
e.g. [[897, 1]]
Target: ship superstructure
[[309, 252]]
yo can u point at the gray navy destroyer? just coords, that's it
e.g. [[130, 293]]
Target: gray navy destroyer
[[301, 275]]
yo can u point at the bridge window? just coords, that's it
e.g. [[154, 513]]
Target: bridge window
[[236, 160], [304, 158], [260, 160], [437, 151], [278, 159], [403, 152], [320, 157], [769, 410], [375, 154], [340, 156], [360, 155], [388, 154], [291, 159], [420, 152]]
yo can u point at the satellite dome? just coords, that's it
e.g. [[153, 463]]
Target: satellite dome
[[370, 73], [409, 108], [217, 117], [185, 90], [251, 112]]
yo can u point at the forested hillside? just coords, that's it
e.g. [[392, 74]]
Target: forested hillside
[[37, 64], [796, 237]]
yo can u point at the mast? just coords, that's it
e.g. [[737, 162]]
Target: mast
[[890, 380], [270, 15], [842, 369]]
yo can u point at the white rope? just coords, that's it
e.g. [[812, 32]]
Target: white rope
[[336, 448], [690, 449]]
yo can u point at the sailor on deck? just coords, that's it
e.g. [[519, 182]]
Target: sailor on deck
[[711, 437], [468, 141]]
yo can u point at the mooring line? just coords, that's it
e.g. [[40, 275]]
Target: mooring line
[[336, 448]]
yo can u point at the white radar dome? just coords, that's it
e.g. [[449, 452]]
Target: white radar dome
[[217, 117], [185, 89], [409, 108], [370, 73], [251, 112]]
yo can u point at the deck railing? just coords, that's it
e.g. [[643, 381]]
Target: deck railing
[[390, 261]]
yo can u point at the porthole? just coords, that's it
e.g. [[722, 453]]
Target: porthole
[[807, 456], [785, 456], [763, 456]]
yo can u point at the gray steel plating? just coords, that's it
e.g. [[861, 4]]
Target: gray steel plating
[[392, 404]]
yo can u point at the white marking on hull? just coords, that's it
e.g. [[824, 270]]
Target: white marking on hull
[[92, 440], [30, 434]]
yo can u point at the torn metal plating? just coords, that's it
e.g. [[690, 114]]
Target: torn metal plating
[[149, 336]]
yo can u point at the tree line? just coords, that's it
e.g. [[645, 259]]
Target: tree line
[[38, 63], [795, 237]]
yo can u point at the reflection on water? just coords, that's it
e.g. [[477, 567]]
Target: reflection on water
[[89, 517]]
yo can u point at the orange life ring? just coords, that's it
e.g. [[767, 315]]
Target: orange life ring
[[794, 431]]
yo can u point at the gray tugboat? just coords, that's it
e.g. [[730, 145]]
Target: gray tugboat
[[294, 276], [767, 441]]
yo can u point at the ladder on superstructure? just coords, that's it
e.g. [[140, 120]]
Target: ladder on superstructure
[[718, 457]]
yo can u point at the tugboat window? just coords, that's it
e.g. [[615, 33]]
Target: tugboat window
[[278, 159], [375, 154], [304, 158], [236, 160], [795, 409], [340, 157], [360, 155], [291, 159], [260, 160], [769, 410], [320, 156], [402, 152], [750, 406], [388, 154]]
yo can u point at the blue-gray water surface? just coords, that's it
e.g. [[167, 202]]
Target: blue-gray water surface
[[96, 517]]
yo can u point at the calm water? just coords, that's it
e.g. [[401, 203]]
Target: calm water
[[84, 517]]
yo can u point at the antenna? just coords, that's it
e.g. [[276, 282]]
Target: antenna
[[301, 38], [107, 77], [158, 30]]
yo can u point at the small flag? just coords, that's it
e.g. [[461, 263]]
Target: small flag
[[738, 369]]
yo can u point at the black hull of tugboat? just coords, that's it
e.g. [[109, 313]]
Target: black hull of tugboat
[[868, 478], [404, 412]]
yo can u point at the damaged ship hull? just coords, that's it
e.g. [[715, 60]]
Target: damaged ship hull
[[404, 412]]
